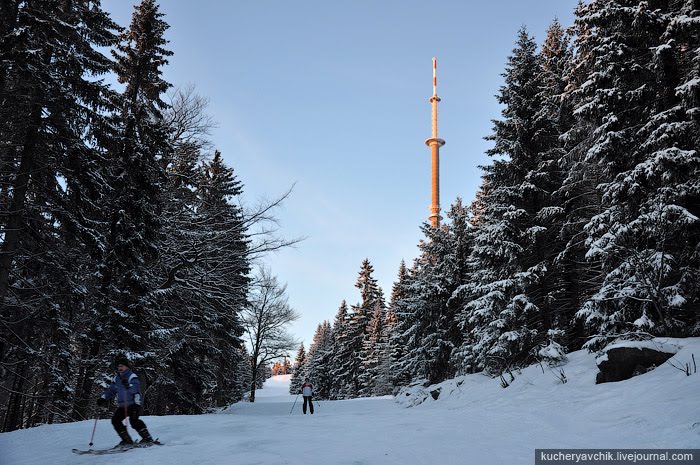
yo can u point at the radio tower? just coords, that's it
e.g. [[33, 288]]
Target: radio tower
[[435, 143]]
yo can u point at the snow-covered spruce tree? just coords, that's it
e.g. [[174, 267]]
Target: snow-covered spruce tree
[[384, 372], [204, 284], [440, 270], [226, 268], [341, 352], [51, 122], [405, 303], [641, 96], [298, 373], [207, 247], [372, 348], [505, 312], [578, 195], [318, 360], [178, 294], [425, 332], [242, 375], [324, 377], [377, 360], [372, 301], [133, 206], [203, 265], [659, 240], [371, 295], [554, 119]]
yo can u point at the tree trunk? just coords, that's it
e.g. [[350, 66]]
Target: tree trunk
[[253, 383], [17, 206], [85, 382], [12, 414], [251, 398]]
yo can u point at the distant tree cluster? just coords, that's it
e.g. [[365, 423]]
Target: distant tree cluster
[[282, 368], [586, 227], [351, 357], [120, 231]]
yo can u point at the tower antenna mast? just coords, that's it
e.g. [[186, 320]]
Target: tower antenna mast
[[435, 143]]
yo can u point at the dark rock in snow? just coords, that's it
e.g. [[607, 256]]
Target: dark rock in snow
[[620, 363]]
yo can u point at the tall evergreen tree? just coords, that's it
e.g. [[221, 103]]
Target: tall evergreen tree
[[500, 313], [206, 266], [299, 371], [318, 361], [350, 333], [424, 330], [372, 349], [384, 372], [341, 376], [407, 335], [578, 195], [134, 204], [371, 297], [441, 270], [400, 328], [548, 291], [646, 140], [242, 376], [52, 122]]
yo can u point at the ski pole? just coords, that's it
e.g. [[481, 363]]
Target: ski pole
[[126, 407], [94, 427], [295, 402], [126, 415]]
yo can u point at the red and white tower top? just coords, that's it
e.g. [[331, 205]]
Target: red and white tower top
[[434, 76]]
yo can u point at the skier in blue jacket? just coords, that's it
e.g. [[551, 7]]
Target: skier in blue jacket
[[126, 387]]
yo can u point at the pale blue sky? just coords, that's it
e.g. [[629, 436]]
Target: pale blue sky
[[333, 96]]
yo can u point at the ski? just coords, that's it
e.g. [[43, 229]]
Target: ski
[[117, 449], [111, 450]]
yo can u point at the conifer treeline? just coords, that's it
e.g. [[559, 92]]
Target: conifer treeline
[[586, 227], [119, 233]]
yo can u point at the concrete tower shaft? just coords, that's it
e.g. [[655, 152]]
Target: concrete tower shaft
[[435, 143]]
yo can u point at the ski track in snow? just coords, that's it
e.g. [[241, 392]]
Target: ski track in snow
[[476, 422]]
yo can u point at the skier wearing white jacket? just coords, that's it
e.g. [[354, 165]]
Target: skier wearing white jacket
[[307, 390]]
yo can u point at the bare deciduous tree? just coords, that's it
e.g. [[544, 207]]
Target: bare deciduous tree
[[265, 321], [188, 120]]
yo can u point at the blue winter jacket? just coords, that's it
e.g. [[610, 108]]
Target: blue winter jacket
[[125, 396]]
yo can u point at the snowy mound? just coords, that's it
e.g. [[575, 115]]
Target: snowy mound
[[539, 382]]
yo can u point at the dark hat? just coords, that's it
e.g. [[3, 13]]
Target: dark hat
[[121, 360]]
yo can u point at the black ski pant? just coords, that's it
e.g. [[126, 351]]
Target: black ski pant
[[134, 421], [311, 405]]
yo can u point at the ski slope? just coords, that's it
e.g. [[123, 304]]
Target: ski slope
[[474, 421]]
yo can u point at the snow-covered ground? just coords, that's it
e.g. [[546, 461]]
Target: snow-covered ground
[[474, 421]]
